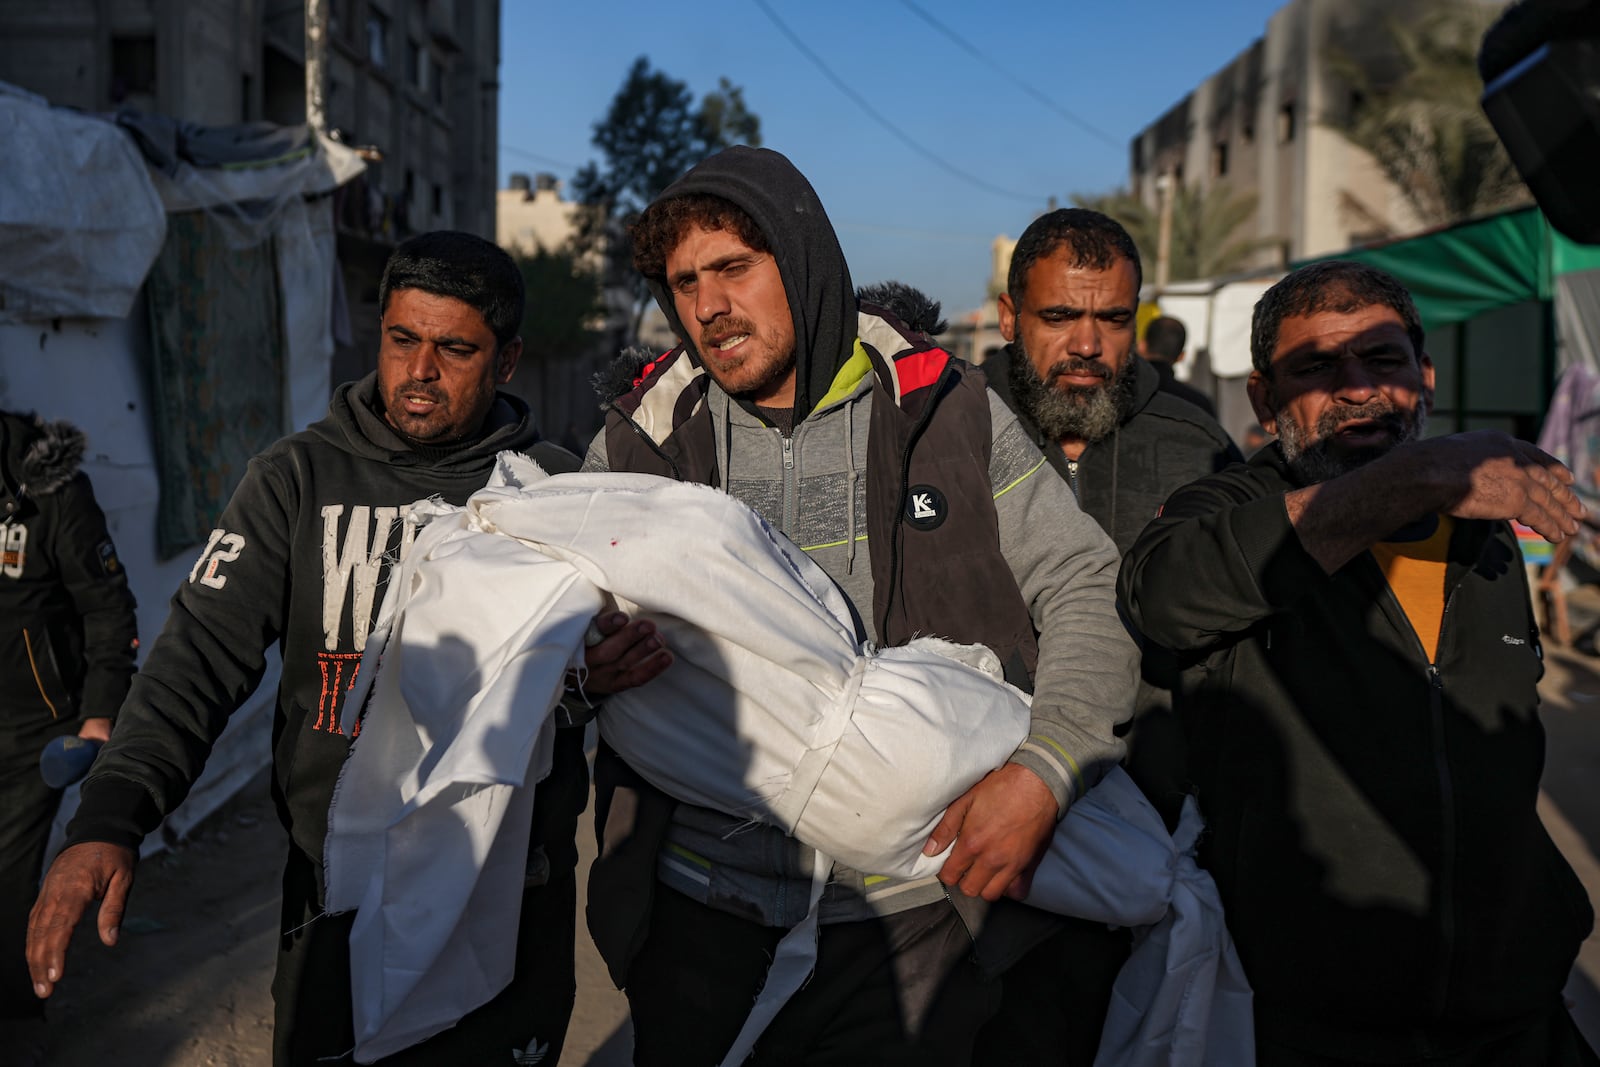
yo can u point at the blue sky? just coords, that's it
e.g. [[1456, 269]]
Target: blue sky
[[1117, 66]]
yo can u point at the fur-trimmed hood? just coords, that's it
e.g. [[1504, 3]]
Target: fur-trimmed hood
[[37, 457]]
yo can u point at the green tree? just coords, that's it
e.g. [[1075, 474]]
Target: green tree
[[652, 133], [564, 305], [1424, 125], [1204, 224]]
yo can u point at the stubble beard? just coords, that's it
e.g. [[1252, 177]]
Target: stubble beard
[[1089, 413], [748, 375], [1315, 456]]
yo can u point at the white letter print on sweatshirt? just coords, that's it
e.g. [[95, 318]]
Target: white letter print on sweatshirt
[[359, 562]]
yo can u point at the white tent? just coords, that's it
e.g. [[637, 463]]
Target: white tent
[[82, 219]]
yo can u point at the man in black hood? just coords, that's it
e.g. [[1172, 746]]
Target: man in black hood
[[298, 559], [893, 467]]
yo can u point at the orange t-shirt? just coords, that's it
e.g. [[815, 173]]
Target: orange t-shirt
[[1415, 571]]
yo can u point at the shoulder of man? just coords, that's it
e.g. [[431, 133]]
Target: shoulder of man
[[1172, 409]]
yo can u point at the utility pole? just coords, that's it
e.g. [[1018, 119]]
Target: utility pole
[[1165, 183], [317, 65]]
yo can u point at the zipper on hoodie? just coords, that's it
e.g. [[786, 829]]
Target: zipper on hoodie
[[791, 484], [1447, 804], [1440, 994]]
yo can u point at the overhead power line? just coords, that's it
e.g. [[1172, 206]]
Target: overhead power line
[[873, 113], [536, 157], [1000, 68]]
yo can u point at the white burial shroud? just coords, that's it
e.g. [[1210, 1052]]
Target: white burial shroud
[[772, 710]]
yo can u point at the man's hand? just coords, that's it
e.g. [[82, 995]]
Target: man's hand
[[628, 654], [96, 729], [1490, 475], [83, 873], [1002, 827]]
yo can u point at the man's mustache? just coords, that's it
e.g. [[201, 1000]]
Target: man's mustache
[[1379, 411], [1079, 367]]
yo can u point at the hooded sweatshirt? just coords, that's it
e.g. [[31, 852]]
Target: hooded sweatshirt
[[68, 643], [821, 487], [298, 559], [1160, 444]]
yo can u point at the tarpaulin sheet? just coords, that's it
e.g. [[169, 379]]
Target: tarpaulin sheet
[[80, 221], [1457, 274]]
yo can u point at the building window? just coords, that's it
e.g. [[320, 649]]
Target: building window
[[377, 40], [1219, 159], [438, 200], [133, 67], [1248, 132], [1286, 123], [438, 83]]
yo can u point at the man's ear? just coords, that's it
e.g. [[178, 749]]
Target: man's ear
[[1427, 381], [505, 360], [1259, 386], [1008, 318]]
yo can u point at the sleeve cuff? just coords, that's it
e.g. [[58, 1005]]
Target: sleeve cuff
[[1054, 766], [113, 810]]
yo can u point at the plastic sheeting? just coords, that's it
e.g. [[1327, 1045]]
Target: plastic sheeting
[[80, 220], [771, 709]]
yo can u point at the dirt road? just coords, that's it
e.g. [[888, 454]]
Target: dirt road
[[188, 986]]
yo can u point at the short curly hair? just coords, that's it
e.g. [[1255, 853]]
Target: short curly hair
[[657, 231], [1337, 285]]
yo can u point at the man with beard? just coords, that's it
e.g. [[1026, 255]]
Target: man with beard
[[1362, 707], [299, 560], [1124, 445], [1070, 373], [893, 467]]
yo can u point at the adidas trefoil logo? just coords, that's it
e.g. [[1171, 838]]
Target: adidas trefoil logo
[[534, 1053]]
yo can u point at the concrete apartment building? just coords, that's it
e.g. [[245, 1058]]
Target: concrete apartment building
[[1261, 124], [416, 80], [530, 215]]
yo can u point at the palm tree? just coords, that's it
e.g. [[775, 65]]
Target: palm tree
[[1204, 222], [1425, 128]]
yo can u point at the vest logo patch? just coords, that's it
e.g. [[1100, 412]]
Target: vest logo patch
[[926, 507]]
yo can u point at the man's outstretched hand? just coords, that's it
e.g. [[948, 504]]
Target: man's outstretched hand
[[81, 875], [628, 654], [1002, 827]]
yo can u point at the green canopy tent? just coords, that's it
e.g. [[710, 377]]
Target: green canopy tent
[[1495, 295]]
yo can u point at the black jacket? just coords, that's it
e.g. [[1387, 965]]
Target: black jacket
[[299, 559], [1371, 814], [68, 642], [1123, 480], [1182, 390]]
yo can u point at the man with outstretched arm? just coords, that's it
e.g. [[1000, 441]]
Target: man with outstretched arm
[[1361, 700], [895, 469], [299, 559]]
